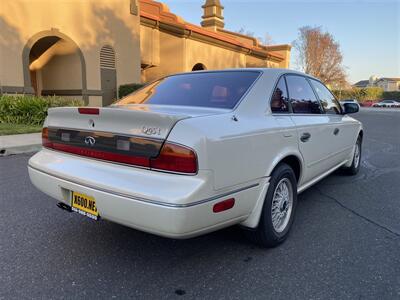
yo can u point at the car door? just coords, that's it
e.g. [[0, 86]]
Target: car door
[[341, 128], [313, 128], [286, 134]]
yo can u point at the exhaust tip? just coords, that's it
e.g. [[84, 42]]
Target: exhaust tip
[[64, 206]]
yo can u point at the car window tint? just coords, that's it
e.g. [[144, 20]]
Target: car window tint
[[208, 89], [279, 100], [302, 97], [328, 101]]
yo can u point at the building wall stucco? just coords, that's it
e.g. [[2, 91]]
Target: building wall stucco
[[149, 42], [90, 24]]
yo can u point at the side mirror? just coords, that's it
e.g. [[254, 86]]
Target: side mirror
[[350, 108]]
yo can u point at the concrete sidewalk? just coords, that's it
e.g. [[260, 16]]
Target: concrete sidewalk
[[20, 143]]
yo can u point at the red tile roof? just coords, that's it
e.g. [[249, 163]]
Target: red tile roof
[[159, 12]]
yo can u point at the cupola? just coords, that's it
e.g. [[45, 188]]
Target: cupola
[[213, 15]]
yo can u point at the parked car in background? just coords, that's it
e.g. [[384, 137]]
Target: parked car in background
[[387, 103], [195, 152], [349, 101], [367, 103]]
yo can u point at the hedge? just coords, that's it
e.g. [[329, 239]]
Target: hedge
[[391, 96], [365, 94], [126, 89], [30, 110]]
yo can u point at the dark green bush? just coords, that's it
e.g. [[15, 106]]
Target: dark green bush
[[30, 110], [126, 89], [361, 94], [391, 96]]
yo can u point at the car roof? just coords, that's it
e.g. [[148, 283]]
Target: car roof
[[268, 71]]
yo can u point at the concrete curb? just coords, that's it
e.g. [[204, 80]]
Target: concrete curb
[[20, 143]]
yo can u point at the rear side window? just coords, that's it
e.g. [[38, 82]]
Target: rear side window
[[302, 97], [328, 101], [279, 100], [213, 89]]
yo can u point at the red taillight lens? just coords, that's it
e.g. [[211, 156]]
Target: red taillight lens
[[175, 158], [224, 205], [88, 110], [45, 138], [133, 151]]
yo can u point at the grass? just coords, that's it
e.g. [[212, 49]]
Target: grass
[[7, 128]]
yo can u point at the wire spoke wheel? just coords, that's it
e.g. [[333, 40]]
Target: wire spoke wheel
[[282, 205], [357, 155]]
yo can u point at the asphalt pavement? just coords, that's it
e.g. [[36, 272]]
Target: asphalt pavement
[[345, 243]]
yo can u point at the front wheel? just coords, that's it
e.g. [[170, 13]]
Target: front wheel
[[278, 210]]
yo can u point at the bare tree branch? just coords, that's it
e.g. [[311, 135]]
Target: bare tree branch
[[320, 55]]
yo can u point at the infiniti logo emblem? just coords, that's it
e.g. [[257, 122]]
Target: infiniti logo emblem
[[90, 141]]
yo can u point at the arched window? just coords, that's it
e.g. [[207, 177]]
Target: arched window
[[199, 67], [107, 57]]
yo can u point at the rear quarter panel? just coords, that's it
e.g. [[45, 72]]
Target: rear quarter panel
[[241, 151]]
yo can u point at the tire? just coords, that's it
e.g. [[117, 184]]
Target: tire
[[356, 163], [269, 234]]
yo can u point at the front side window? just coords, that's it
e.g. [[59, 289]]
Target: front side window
[[279, 100], [213, 89], [328, 101], [302, 97]]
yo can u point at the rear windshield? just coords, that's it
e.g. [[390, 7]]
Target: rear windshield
[[213, 89]]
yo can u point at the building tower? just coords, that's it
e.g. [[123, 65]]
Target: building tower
[[213, 15]]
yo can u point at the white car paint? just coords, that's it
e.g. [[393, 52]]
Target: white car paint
[[236, 149], [387, 103]]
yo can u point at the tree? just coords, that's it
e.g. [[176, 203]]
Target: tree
[[319, 55], [266, 40]]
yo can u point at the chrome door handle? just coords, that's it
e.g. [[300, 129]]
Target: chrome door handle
[[336, 131], [305, 137]]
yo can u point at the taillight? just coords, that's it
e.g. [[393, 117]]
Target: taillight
[[135, 151], [45, 138], [175, 158], [89, 110]]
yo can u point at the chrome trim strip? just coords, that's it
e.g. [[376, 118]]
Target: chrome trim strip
[[155, 202]]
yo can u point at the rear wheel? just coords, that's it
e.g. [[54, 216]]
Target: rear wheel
[[356, 163], [278, 209]]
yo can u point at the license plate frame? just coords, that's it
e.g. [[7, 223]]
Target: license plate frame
[[84, 205]]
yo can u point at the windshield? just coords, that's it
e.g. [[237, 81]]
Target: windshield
[[208, 89]]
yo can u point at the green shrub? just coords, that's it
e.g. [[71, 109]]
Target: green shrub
[[391, 96], [30, 110], [126, 89], [361, 94]]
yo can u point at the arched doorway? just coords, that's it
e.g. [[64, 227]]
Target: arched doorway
[[199, 67], [54, 65]]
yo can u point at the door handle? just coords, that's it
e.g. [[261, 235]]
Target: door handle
[[336, 131], [305, 137]]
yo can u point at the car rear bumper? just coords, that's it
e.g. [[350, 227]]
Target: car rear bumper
[[169, 205]]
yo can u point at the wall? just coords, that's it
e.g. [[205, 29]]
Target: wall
[[90, 24], [172, 57], [69, 79], [149, 46], [213, 57]]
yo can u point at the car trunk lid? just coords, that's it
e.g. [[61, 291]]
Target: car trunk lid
[[131, 134]]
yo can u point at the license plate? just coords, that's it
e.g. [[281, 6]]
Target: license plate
[[85, 205]]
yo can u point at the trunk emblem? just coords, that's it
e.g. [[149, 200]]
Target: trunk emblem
[[151, 130], [90, 141]]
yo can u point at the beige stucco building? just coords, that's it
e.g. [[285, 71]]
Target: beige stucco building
[[86, 49]]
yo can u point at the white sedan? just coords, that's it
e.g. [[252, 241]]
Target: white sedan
[[192, 153], [387, 103]]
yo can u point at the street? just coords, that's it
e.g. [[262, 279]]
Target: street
[[345, 242]]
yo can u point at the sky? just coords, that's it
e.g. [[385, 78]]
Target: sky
[[368, 31]]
